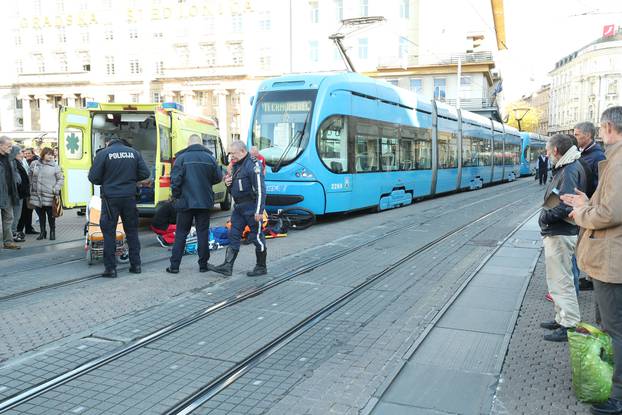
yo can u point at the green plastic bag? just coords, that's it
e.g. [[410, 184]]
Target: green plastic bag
[[591, 357]]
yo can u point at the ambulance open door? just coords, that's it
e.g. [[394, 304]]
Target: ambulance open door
[[74, 154]]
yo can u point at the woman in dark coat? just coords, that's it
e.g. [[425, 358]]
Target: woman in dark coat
[[23, 191]]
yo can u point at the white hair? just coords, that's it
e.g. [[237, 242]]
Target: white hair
[[195, 139]]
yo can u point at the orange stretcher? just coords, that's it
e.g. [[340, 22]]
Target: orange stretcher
[[94, 238]]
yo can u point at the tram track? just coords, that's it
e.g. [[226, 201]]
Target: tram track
[[227, 379], [93, 364], [97, 275]]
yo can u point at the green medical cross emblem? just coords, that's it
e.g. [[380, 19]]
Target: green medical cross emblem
[[72, 143]]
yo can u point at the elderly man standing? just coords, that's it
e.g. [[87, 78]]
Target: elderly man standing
[[560, 234], [8, 192], [599, 250]]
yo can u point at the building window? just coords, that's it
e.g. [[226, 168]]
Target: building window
[[264, 58], [314, 55], [19, 66], [339, 9], [157, 97], [135, 66], [237, 53], [39, 37], [209, 25], [364, 8], [133, 33], [159, 67], [612, 88], [62, 62], [209, 54], [18, 103], [135, 97], [110, 65], [403, 51], [84, 36], [183, 55], [40, 63], [439, 88], [236, 23], [62, 36], [85, 58], [18, 39], [363, 42], [416, 85], [109, 34], [110, 98], [393, 82], [158, 35], [405, 9], [201, 98], [265, 24], [60, 6], [315, 12], [466, 81]]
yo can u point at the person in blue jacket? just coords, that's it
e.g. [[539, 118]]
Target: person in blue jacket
[[247, 187], [194, 173], [117, 169]]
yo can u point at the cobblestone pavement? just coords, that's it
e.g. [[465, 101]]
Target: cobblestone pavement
[[536, 376], [107, 307]]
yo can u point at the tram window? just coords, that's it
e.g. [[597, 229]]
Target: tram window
[[389, 149], [415, 149], [447, 150], [469, 151], [498, 146], [484, 151], [367, 148], [165, 143], [333, 144]]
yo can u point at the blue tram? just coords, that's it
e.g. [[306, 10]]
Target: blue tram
[[532, 145], [342, 142]]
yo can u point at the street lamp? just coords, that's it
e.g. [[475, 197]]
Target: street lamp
[[519, 114]]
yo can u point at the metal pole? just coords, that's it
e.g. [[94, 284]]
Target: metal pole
[[291, 58], [459, 81]]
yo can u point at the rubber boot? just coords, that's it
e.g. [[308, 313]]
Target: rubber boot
[[52, 233], [226, 268], [260, 268], [42, 234]]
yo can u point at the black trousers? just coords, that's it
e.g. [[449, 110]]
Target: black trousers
[[542, 176], [609, 301], [25, 220], [43, 212], [112, 208], [184, 223]]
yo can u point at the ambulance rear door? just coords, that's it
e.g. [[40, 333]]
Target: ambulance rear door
[[74, 154]]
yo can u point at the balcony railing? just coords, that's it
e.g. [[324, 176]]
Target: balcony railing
[[473, 103]]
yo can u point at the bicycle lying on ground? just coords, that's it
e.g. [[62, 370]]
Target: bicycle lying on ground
[[296, 218]]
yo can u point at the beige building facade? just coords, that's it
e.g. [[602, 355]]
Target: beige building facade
[[586, 83], [209, 55]]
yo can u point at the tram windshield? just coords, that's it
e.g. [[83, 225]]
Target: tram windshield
[[281, 124]]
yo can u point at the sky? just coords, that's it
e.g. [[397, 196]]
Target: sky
[[541, 32]]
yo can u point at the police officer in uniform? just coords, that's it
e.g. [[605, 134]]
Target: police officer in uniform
[[246, 185], [117, 168]]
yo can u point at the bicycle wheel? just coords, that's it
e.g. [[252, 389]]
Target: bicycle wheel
[[298, 218]]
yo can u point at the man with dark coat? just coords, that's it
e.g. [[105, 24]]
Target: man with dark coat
[[543, 168], [117, 169], [194, 173], [8, 192], [559, 234]]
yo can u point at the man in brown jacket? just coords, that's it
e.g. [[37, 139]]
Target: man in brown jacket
[[599, 250]]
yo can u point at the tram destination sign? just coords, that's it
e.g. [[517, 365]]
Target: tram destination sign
[[288, 106]]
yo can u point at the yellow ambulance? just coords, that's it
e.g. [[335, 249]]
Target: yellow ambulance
[[158, 131]]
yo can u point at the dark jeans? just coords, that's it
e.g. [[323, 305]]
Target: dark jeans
[[609, 301], [184, 223], [542, 176], [243, 216], [125, 207], [25, 220], [42, 212]]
